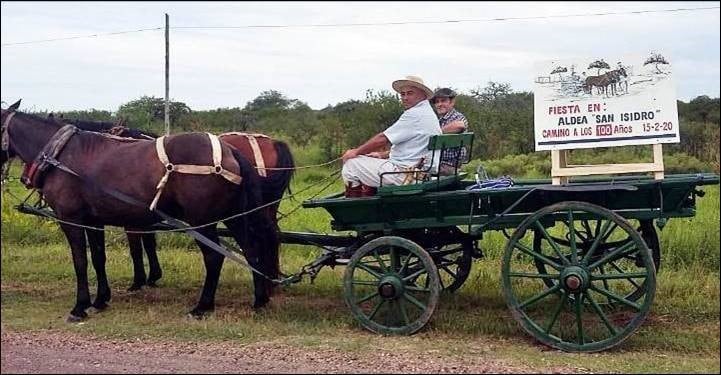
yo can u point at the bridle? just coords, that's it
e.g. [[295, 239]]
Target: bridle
[[6, 146]]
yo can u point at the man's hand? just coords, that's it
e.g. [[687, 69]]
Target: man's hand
[[456, 126], [379, 154], [350, 154]]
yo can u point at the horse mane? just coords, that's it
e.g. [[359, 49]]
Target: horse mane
[[106, 127]]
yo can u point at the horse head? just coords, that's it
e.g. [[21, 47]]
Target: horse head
[[622, 71]]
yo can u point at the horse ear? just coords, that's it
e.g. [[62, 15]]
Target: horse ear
[[14, 106]]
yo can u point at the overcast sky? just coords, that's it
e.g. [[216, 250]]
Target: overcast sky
[[212, 68]]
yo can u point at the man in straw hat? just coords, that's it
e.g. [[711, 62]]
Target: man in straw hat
[[408, 137]]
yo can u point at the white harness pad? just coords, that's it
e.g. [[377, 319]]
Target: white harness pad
[[259, 162], [216, 168]]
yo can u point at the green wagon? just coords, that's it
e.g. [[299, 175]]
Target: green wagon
[[578, 271], [579, 268]]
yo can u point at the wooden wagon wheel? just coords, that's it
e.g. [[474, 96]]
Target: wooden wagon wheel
[[454, 264], [586, 231], [391, 286], [558, 314]]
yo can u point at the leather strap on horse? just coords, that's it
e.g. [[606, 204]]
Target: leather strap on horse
[[5, 132], [33, 173], [216, 168], [251, 137]]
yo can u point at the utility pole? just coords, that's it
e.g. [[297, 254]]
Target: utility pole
[[167, 75]]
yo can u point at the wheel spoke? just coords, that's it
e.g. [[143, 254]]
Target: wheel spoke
[[553, 243], [614, 276], [629, 276], [605, 281], [539, 296], [536, 255], [404, 267], [414, 275], [557, 312], [414, 301], [445, 268], [368, 269], [617, 298], [572, 239], [404, 312], [375, 310], [597, 241], [417, 289], [381, 263], [364, 282], [602, 315], [612, 255], [534, 275], [579, 320], [366, 298]]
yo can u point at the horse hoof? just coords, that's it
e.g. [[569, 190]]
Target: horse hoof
[[154, 278], [259, 304], [198, 314], [72, 318], [99, 306], [135, 287], [152, 284]]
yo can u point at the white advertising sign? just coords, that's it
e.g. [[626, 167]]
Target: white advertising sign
[[586, 103]]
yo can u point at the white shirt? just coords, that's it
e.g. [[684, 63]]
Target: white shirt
[[411, 133]]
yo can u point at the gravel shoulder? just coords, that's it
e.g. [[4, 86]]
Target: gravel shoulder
[[62, 352]]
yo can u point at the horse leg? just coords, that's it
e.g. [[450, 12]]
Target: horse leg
[[96, 239], [76, 239], [154, 271], [261, 252], [213, 264], [136, 253]]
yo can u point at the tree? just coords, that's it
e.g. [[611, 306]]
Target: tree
[[600, 64], [656, 58], [494, 90], [147, 110], [558, 70]]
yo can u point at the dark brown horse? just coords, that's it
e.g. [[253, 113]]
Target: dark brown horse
[[136, 241], [261, 150], [132, 168]]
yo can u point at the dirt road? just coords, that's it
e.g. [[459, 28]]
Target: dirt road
[[60, 352]]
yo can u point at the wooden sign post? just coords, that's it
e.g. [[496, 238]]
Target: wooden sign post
[[561, 170]]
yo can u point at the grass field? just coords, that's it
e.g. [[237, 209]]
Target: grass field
[[38, 290]]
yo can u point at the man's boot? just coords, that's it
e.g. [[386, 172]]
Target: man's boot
[[352, 191]]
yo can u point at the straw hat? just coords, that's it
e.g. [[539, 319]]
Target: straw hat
[[412, 81]]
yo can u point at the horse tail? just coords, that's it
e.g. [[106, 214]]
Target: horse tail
[[259, 226], [278, 181]]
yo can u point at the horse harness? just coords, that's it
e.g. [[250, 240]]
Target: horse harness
[[251, 137], [34, 172], [216, 168], [5, 132]]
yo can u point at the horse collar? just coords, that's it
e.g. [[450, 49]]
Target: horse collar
[[34, 172]]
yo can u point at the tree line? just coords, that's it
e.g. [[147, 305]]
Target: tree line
[[501, 118]]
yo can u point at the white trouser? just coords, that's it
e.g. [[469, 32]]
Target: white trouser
[[367, 170]]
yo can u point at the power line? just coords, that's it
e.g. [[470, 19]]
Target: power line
[[499, 19], [82, 36], [444, 21]]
